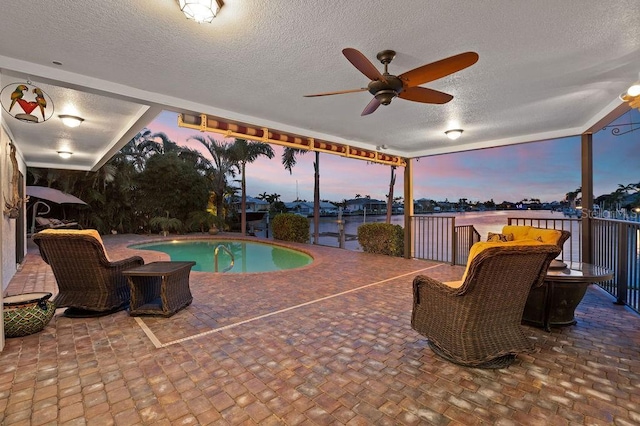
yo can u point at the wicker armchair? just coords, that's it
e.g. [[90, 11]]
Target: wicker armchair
[[476, 322], [88, 282]]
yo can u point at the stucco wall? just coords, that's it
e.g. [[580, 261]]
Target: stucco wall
[[8, 266], [8, 228]]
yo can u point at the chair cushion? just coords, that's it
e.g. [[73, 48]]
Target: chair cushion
[[453, 284], [75, 232], [43, 221], [477, 248]]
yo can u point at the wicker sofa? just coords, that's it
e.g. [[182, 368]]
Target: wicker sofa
[[88, 282], [476, 322]]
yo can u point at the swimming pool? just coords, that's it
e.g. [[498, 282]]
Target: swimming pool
[[248, 256]]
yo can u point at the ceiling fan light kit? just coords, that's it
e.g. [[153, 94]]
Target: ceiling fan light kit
[[453, 134], [385, 87], [200, 11]]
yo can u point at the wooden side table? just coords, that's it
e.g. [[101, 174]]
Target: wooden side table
[[159, 288], [554, 302]]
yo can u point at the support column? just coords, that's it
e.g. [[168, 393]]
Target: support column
[[408, 209], [587, 195]]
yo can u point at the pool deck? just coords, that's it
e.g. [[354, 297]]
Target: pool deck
[[327, 344]]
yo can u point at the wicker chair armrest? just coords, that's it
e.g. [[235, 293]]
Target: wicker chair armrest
[[127, 263], [423, 284]]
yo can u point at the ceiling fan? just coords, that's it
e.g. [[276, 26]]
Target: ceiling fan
[[384, 86]]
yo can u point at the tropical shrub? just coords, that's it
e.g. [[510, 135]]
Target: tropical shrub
[[381, 238], [290, 227], [166, 223], [170, 183]]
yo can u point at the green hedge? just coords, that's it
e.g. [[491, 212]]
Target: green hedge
[[290, 227], [381, 238]]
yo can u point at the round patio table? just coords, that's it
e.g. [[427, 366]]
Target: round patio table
[[553, 304]]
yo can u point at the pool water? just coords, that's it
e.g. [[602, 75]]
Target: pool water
[[249, 256]]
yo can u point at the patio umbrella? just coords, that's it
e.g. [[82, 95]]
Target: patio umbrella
[[53, 195]]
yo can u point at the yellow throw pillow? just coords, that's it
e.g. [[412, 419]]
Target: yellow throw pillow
[[547, 236], [519, 231]]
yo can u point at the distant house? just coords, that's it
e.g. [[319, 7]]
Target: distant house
[[370, 205], [305, 208], [255, 204]]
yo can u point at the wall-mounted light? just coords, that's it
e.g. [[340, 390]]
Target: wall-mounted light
[[634, 89], [632, 95], [453, 134], [200, 10], [65, 154], [71, 120]]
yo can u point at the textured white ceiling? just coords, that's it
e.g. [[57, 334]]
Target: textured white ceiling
[[547, 68]]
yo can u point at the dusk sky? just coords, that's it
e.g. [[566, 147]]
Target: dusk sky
[[546, 170]]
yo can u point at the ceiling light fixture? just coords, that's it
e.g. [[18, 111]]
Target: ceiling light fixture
[[453, 134], [633, 101], [632, 95], [65, 154], [200, 10], [71, 120], [634, 89]]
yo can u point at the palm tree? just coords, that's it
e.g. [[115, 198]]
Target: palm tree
[[217, 169], [244, 152], [288, 161], [571, 197], [138, 150]]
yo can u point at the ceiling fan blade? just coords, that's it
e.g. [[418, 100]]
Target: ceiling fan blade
[[371, 107], [362, 63], [424, 95], [340, 92], [438, 69]]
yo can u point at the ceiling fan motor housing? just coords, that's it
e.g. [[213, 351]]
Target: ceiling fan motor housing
[[385, 91]]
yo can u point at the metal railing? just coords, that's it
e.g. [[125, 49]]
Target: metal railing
[[466, 236], [572, 249], [215, 258], [438, 238], [616, 246]]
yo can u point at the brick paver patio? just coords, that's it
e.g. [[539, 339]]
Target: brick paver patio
[[327, 344]]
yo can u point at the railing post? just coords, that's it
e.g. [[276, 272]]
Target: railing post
[[587, 196], [454, 242], [408, 210], [621, 265]]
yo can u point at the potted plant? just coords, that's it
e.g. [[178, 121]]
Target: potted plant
[[218, 225], [204, 221], [166, 223]]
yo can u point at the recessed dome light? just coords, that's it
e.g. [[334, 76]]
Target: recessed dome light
[[71, 120], [65, 154], [453, 134]]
